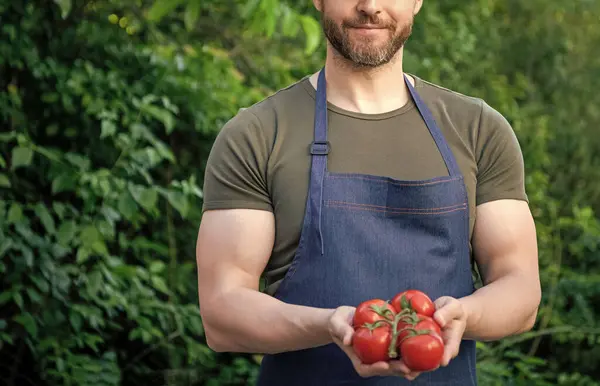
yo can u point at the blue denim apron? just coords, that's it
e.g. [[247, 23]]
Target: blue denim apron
[[367, 236]]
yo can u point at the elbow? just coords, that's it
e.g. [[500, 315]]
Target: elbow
[[531, 320], [216, 340]]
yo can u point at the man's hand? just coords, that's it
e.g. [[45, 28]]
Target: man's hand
[[340, 328], [452, 318]]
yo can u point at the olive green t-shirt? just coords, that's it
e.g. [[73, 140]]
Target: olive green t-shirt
[[261, 159]]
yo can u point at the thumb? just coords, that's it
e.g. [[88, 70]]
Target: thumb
[[443, 313], [341, 327]]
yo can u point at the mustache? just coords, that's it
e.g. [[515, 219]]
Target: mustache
[[371, 21]]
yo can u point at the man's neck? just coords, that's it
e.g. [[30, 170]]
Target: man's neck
[[367, 91]]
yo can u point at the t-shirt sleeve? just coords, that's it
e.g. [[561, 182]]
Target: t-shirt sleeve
[[500, 164], [236, 170]]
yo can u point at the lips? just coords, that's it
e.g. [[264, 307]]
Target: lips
[[368, 27]]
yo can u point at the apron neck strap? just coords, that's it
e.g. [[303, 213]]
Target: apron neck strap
[[320, 145], [434, 130]]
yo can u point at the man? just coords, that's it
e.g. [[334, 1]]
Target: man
[[358, 182]]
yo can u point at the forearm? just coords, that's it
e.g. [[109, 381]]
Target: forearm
[[505, 307], [246, 320]]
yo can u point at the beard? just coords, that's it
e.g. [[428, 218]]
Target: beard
[[363, 52]]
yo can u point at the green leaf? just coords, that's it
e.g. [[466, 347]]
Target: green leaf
[[7, 137], [65, 7], [163, 115], [108, 129], [157, 267], [59, 208], [27, 321], [34, 296], [249, 8], [41, 283], [7, 338], [66, 232], [75, 319], [52, 130], [91, 239], [195, 325], [5, 246], [2, 324], [15, 214], [179, 202], [146, 197], [312, 31], [90, 235], [45, 217], [289, 23], [53, 155], [100, 248], [78, 160], [94, 282], [64, 182], [164, 151], [159, 284], [60, 365], [269, 20], [159, 113], [4, 181], [5, 296], [127, 205], [161, 8], [192, 11], [18, 299], [83, 255], [27, 255], [21, 156]]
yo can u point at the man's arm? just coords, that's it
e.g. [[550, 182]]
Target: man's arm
[[232, 251], [505, 247]]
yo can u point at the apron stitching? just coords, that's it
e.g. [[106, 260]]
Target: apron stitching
[[422, 213], [384, 180], [321, 216], [394, 208]]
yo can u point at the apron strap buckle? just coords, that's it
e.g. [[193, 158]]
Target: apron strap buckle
[[319, 148]]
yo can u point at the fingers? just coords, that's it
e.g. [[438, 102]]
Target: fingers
[[452, 339], [400, 368], [391, 368], [451, 316], [340, 326], [364, 370], [448, 309]]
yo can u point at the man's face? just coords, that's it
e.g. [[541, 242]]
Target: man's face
[[368, 33]]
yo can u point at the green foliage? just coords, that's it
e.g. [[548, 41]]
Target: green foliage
[[110, 109]]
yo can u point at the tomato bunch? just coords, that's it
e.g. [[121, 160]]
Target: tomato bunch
[[401, 328]]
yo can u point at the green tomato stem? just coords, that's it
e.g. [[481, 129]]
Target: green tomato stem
[[406, 313], [383, 311]]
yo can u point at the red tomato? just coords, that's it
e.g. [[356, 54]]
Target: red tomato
[[372, 345], [417, 300], [418, 322], [422, 352], [371, 311]]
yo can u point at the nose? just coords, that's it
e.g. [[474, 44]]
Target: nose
[[369, 7]]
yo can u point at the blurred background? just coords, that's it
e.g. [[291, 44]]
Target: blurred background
[[108, 109]]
